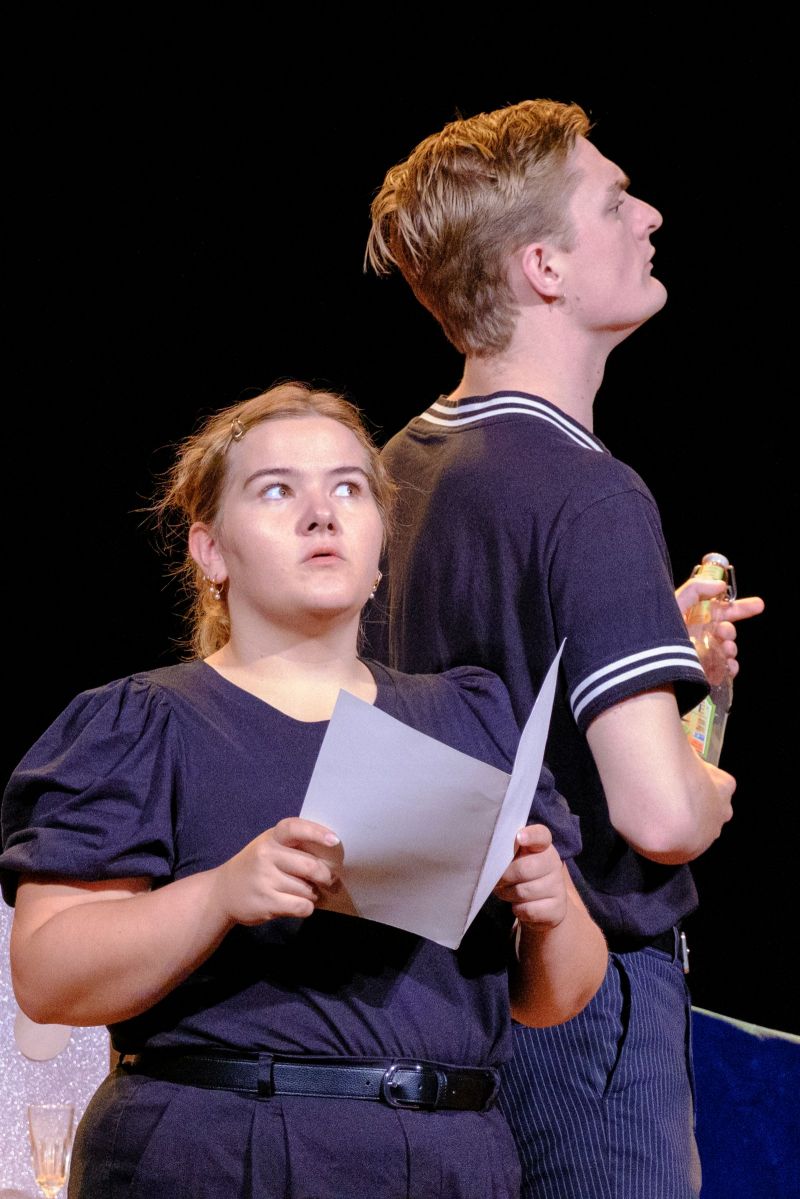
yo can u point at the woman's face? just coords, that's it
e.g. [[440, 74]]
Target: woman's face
[[299, 532]]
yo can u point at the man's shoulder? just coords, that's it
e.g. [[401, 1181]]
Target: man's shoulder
[[601, 475], [538, 457]]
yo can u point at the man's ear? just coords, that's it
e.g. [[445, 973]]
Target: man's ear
[[205, 549], [540, 264]]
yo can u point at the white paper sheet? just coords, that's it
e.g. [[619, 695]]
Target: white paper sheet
[[426, 831]]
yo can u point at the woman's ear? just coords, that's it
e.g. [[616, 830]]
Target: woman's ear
[[205, 549]]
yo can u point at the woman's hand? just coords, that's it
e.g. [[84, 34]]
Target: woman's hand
[[279, 873], [561, 955], [534, 884]]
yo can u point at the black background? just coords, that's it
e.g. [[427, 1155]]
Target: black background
[[190, 211]]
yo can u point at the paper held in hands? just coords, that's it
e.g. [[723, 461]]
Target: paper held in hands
[[427, 831]]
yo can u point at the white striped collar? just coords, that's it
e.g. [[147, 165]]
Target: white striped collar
[[468, 411]]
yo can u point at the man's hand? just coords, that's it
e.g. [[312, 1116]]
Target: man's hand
[[535, 882], [724, 614]]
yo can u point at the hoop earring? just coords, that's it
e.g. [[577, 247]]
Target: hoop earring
[[214, 588], [376, 585]]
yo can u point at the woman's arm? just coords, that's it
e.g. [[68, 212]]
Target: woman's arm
[[98, 952], [561, 957]]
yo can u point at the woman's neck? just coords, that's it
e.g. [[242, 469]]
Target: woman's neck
[[302, 679]]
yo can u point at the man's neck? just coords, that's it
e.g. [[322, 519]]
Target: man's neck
[[564, 371]]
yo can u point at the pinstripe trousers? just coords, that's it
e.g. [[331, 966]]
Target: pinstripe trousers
[[602, 1107]]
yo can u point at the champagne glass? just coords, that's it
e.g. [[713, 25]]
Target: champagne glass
[[51, 1127]]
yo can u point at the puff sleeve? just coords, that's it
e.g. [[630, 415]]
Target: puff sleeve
[[93, 798]]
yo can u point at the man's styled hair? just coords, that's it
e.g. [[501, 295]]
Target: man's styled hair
[[463, 201]]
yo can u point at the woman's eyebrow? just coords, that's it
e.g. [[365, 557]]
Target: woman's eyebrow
[[294, 472]]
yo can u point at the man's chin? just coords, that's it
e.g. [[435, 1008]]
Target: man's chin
[[657, 299]]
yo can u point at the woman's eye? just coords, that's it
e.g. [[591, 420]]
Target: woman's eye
[[276, 491], [347, 489]]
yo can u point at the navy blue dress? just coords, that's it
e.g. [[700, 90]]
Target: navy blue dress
[[171, 772]]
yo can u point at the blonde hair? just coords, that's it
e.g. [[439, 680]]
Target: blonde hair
[[467, 197], [192, 489]]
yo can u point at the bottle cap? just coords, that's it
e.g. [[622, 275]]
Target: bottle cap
[[715, 559]]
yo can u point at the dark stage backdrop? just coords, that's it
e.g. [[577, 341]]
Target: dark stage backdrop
[[191, 228]]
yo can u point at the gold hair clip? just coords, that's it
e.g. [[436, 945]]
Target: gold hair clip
[[237, 429]]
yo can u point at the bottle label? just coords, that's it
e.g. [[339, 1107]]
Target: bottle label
[[698, 724]]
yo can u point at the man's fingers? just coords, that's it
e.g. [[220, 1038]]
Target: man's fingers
[[741, 609], [725, 633], [694, 590]]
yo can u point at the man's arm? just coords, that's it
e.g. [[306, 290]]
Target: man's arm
[[662, 798], [666, 802]]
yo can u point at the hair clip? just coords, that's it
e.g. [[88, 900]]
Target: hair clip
[[237, 429]]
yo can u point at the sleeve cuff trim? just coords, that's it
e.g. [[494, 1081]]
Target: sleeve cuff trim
[[657, 660]]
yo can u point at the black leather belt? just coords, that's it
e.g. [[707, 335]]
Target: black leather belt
[[424, 1085]]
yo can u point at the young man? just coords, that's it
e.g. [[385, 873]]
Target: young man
[[517, 529]]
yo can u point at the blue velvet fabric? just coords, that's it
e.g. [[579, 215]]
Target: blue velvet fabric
[[748, 1109]]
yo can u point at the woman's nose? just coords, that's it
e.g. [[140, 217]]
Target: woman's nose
[[319, 515]]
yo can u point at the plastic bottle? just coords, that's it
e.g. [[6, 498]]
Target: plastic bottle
[[705, 724]]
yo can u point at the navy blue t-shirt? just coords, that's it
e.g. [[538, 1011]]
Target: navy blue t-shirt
[[517, 529], [171, 772]]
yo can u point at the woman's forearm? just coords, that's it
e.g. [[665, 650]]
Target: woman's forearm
[[558, 970], [96, 953]]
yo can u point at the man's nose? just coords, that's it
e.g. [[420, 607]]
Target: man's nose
[[649, 218]]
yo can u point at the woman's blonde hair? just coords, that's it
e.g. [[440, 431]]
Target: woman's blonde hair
[[192, 489]]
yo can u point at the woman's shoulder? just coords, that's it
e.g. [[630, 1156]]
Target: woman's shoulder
[[136, 694], [92, 798], [466, 707], [473, 682], [102, 723]]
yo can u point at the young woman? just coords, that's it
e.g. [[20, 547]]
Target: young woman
[[166, 886]]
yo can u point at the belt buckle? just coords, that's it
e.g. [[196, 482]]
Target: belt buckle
[[424, 1099]]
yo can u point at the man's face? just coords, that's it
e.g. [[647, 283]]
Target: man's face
[[607, 275]]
